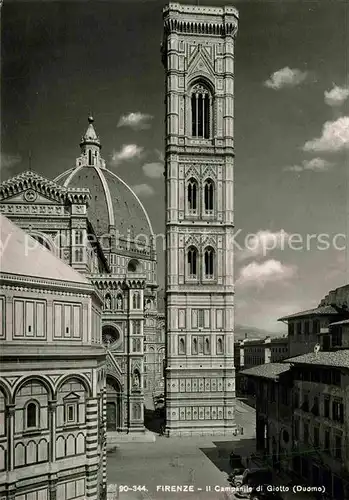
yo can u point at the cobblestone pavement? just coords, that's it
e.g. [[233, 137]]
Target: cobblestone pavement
[[202, 462]]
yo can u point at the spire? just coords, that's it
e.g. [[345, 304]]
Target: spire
[[90, 148], [90, 137]]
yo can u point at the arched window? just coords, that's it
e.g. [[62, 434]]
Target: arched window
[[181, 347], [192, 193], [200, 111], [136, 301], [219, 345], [42, 241], [192, 262], [209, 262], [194, 345], [208, 196], [32, 417], [137, 327], [90, 157], [207, 346]]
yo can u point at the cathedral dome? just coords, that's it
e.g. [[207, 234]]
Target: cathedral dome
[[113, 207]]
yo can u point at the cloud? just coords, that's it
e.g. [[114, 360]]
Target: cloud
[[259, 274], [127, 152], [335, 137], [143, 190], [315, 164], [286, 77], [262, 242], [154, 170], [336, 96], [136, 121], [9, 161]]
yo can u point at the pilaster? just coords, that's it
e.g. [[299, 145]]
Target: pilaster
[[91, 448]]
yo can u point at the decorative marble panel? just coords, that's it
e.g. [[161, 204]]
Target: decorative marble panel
[[174, 412], [173, 385]]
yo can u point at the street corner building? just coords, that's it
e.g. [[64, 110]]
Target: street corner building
[[92, 220], [198, 57], [52, 376]]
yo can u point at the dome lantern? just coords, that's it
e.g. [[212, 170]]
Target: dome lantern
[[90, 148]]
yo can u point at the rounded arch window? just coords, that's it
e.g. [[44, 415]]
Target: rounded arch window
[[32, 415], [110, 335]]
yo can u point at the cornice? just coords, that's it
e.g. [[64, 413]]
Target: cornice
[[45, 286], [105, 282], [49, 350], [200, 20]]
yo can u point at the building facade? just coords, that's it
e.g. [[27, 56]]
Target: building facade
[[154, 345], [311, 327], [302, 416], [52, 376], [198, 57], [255, 352], [93, 221], [320, 420]]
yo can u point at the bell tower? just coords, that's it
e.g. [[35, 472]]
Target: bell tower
[[198, 56]]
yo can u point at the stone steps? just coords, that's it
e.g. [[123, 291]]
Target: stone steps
[[114, 438]]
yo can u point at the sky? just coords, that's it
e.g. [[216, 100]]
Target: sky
[[62, 61]]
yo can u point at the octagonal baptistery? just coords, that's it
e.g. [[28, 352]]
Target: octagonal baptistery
[[52, 376], [116, 213]]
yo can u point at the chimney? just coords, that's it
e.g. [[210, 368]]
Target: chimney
[[245, 335]]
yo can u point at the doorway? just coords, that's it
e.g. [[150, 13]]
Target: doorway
[[111, 416]]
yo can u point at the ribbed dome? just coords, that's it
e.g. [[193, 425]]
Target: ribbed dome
[[113, 203]]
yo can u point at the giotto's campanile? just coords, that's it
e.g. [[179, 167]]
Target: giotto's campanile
[[198, 56]]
